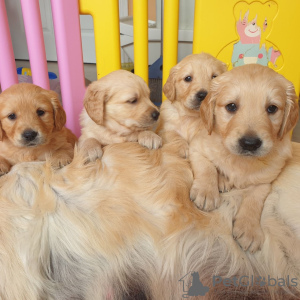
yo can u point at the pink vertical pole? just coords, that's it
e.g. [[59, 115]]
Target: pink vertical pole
[[8, 72], [70, 62], [35, 42]]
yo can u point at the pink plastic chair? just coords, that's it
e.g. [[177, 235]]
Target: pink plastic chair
[[68, 47]]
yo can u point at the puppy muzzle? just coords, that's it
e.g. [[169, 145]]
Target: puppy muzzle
[[198, 98], [30, 138], [155, 115], [249, 145]]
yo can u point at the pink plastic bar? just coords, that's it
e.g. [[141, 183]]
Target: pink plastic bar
[[35, 42], [69, 56], [8, 72]]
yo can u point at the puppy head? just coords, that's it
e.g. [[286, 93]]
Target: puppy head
[[121, 97], [190, 79], [251, 107], [29, 114]]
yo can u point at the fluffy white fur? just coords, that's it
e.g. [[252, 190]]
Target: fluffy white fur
[[104, 229], [117, 109], [248, 116], [186, 87]]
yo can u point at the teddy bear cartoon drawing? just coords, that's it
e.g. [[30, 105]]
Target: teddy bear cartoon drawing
[[253, 26]]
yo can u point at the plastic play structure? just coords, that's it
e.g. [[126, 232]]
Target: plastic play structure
[[237, 32]]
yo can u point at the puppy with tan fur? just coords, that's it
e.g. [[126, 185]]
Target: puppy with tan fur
[[117, 108], [32, 127], [95, 231], [185, 89], [248, 116]]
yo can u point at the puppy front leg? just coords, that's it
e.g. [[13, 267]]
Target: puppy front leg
[[246, 227], [149, 139], [91, 149], [225, 185], [179, 144], [204, 191], [5, 166], [62, 156]]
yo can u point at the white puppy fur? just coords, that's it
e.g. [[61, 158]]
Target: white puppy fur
[[104, 229]]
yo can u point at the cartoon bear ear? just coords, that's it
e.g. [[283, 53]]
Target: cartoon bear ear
[[271, 8], [241, 11]]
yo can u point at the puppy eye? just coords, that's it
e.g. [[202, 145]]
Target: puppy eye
[[12, 116], [132, 101], [214, 76], [40, 112], [231, 107], [272, 109], [188, 78]]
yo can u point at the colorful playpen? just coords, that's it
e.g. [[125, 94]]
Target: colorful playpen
[[237, 32]]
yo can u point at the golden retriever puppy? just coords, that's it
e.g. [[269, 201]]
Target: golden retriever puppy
[[98, 231], [185, 89], [117, 109], [248, 116], [32, 127]]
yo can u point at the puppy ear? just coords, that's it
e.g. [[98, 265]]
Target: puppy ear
[[94, 100], [1, 133], [224, 67], [58, 111], [207, 109], [169, 87], [291, 111]]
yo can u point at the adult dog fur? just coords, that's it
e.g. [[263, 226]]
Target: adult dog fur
[[117, 108], [186, 87], [248, 115], [125, 222], [32, 127]]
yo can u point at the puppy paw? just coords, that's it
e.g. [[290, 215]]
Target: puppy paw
[[91, 149], [94, 153], [183, 148], [149, 139], [248, 234], [178, 148], [224, 184], [60, 161], [5, 166], [205, 195]]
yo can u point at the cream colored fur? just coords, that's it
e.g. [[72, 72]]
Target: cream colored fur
[[117, 109], [19, 108], [179, 113], [218, 158], [124, 223]]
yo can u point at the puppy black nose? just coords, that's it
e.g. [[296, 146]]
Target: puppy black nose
[[201, 95], [29, 135], [155, 115], [250, 143]]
